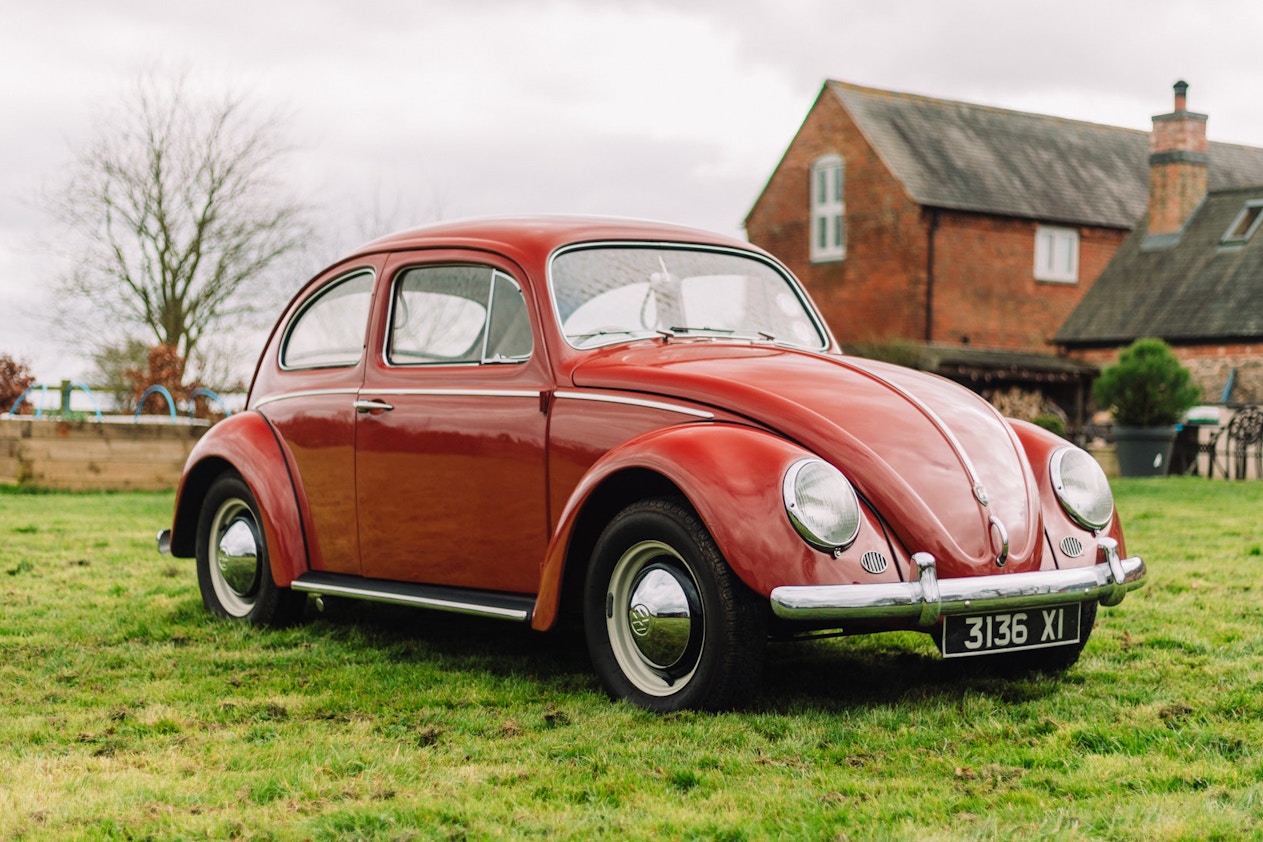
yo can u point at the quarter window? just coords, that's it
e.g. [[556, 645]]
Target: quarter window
[[828, 209], [458, 314], [329, 332], [1056, 254]]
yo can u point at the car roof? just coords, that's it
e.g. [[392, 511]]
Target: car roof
[[540, 235]]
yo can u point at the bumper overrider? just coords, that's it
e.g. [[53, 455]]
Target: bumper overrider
[[929, 599]]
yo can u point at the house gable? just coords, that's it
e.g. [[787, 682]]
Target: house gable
[[870, 295]]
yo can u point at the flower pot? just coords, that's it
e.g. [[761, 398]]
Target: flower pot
[[1144, 451]]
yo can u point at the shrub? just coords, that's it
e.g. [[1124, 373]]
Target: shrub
[[165, 368], [15, 378], [1051, 423], [1147, 387]]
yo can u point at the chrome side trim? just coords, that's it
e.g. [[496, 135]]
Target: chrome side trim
[[310, 393], [460, 393], [470, 393], [417, 600], [602, 398], [930, 598]]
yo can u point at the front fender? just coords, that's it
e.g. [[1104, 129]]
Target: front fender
[[1040, 444], [731, 476], [247, 444]]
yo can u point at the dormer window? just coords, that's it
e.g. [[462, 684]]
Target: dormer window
[[828, 210], [1242, 228]]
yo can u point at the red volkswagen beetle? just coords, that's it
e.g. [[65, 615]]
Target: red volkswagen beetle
[[646, 426]]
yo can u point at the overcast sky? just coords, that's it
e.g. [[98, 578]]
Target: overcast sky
[[424, 109]]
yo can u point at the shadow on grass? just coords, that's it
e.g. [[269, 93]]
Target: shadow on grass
[[806, 676], [885, 670]]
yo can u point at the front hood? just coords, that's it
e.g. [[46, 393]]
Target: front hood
[[936, 461]]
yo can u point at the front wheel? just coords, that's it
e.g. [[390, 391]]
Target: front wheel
[[233, 572], [669, 625]]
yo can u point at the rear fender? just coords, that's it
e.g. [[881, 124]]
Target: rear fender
[[247, 444], [730, 475]]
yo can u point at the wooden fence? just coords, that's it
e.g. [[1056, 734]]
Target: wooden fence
[[111, 455]]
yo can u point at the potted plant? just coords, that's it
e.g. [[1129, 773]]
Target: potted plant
[[1147, 391]]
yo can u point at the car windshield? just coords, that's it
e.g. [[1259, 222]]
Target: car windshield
[[607, 294]]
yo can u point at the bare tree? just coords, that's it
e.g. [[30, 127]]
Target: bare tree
[[178, 213]]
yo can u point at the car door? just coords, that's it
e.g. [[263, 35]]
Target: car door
[[451, 428]]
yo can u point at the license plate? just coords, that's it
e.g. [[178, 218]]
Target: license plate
[[1012, 631]]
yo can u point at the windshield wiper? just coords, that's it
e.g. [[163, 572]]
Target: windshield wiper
[[723, 331], [579, 339]]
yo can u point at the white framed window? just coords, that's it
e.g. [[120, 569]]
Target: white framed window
[[1056, 254], [828, 209]]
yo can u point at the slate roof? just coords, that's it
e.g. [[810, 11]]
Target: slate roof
[[959, 156], [1194, 290]]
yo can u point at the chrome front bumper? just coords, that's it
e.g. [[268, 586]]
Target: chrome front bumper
[[928, 599]]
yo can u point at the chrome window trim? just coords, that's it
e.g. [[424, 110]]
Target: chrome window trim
[[792, 282], [305, 393], [347, 277], [486, 321], [641, 402]]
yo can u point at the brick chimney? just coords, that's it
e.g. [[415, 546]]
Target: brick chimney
[[1177, 165]]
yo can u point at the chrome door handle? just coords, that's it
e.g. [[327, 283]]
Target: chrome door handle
[[369, 406]]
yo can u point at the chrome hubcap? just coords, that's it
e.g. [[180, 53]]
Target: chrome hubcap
[[654, 618], [235, 565], [660, 618]]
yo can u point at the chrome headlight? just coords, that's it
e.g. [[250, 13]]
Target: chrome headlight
[[1081, 487], [821, 504]]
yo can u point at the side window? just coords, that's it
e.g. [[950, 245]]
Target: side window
[[329, 331], [457, 314]]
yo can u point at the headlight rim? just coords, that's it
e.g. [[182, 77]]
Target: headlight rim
[[1056, 477], [789, 498]]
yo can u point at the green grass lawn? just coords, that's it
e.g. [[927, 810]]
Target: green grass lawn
[[126, 712]]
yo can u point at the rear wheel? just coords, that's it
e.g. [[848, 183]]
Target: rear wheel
[[669, 625], [233, 572]]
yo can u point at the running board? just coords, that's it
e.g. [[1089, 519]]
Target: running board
[[504, 606]]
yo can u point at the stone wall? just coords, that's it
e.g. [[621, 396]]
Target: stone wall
[[113, 455]]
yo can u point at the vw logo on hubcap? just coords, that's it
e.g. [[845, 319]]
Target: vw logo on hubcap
[[640, 617]]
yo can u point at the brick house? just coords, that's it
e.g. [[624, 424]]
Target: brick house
[[972, 231], [1191, 272]]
